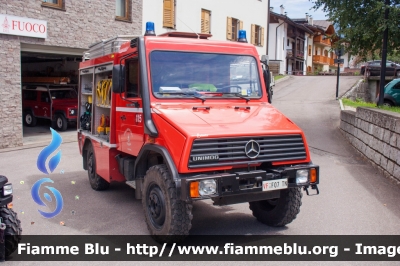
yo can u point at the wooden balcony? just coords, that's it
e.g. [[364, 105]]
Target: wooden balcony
[[320, 59], [320, 39]]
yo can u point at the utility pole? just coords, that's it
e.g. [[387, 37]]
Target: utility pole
[[384, 54]]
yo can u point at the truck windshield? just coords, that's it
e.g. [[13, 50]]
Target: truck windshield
[[184, 74]]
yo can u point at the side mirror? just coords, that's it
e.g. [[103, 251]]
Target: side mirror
[[264, 59], [118, 78], [267, 82]]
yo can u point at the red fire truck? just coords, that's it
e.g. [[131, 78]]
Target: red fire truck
[[182, 118]]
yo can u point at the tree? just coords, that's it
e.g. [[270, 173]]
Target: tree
[[361, 24]]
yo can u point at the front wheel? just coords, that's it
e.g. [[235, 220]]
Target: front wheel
[[12, 231], [96, 181], [278, 212], [60, 123], [168, 219]]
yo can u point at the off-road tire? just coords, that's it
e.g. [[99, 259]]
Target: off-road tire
[[168, 218], [29, 119], [60, 123], [13, 230], [278, 212], [96, 181]]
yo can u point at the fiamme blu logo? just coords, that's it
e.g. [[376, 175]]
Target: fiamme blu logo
[[52, 165]]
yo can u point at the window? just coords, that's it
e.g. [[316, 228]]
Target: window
[[205, 21], [288, 42], [206, 75], [326, 53], [30, 95], [53, 3], [44, 97], [309, 50], [257, 35], [233, 26], [169, 14], [132, 88], [122, 10]]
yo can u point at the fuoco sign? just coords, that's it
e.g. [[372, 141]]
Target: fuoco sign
[[23, 26]]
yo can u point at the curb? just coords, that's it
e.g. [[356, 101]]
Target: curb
[[38, 144], [282, 79]]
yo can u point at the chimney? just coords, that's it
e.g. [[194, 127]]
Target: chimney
[[282, 9], [271, 8], [307, 17], [311, 21]]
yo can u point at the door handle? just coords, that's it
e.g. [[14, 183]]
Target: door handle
[[123, 117]]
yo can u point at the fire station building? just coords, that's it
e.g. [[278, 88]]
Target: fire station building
[[44, 41]]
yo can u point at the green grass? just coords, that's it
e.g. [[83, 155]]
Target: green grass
[[360, 103], [278, 77]]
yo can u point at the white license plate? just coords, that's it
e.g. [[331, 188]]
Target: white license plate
[[274, 184]]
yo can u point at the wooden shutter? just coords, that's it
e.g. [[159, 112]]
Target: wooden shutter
[[262, 36], [240, 25], [205, 21], [229, 28], [168, 14], [253, 34]]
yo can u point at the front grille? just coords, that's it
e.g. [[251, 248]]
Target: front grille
[[229, 151]]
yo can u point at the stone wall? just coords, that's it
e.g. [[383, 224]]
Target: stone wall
[[359, 91], [376, 134], [78, 25]]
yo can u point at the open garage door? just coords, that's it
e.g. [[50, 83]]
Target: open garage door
[[49, 78]]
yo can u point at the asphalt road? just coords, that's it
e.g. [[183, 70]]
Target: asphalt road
[[354, 198]]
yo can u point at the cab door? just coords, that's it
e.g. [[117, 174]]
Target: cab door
[[43, 106], [129, 111]]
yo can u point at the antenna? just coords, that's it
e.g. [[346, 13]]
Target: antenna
[[198, 37]]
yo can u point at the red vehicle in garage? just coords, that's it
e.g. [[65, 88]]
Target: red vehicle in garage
[[167, 115], [58, 103]]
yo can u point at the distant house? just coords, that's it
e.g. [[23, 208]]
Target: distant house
[[288, 44], [222, 19]]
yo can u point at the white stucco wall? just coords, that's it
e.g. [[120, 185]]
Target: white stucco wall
[[188, 16], [278, 44]]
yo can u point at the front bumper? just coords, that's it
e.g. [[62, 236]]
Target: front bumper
[[245, 186]]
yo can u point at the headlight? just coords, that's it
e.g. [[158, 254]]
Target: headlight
[[71, 111], [302, 176], [207, 187], [203, 188], [7, 190]]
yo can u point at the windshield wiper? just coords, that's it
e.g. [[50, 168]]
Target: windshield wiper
[[233, 93], [184, 93]]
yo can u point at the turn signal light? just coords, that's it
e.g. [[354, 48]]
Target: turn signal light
[[194, 189], [313, 175]]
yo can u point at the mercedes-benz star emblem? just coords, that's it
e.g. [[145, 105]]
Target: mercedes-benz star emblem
[[252, 149]]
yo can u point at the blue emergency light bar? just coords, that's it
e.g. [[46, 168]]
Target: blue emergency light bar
[[150, 29], [242, 36]]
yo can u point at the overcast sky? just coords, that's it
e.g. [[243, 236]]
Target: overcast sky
[[297, 8]]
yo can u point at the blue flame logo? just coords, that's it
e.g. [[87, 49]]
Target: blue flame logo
[[39, 201], [45, 153]]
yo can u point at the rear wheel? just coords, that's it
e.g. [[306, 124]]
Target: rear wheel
[[278, 212], [29, 119], [168, 218], [13, 230], [96, 181], [387, 103]]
